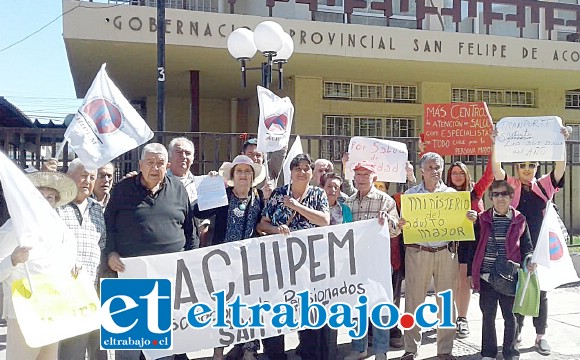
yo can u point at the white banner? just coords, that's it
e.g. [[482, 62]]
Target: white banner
[[275, 121], [530, 139], [294, 151], [336, 263], [106, 125], [389, 158]]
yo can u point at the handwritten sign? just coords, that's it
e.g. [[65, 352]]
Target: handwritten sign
[[389, 158], [530, 139], [211, 192], [336, 263], [458, 129], [436, 217], [59, 308]]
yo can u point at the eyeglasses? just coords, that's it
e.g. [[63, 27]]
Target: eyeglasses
[[457, 173], [527, 165], [500, 194]]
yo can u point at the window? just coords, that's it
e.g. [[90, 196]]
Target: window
[[575, 148], [370, 92], [370, 126], [494, 97], [572, 100]]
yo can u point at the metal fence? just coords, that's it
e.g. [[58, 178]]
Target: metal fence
[[32, 146]]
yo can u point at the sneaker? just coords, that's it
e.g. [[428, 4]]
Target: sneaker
[[542, 347], [462, 328], [381, 356], [408, 356], [487, 358], [356, 355]]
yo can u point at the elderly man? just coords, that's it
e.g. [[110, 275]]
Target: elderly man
[[104, 184], [369, 203], [84, 216], [430, 259], [148, 214], [321, 167], [181, 154]]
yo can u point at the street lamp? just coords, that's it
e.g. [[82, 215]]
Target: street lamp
[[269, 37]]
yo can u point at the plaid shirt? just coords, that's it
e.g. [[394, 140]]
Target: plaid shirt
[[371, 204], [90, 232]]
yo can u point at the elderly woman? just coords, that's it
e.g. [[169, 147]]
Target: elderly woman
[[292, 207], [57, 189], [339, 212], [238, 221], [530, 197]]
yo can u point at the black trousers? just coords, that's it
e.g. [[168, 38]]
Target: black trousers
[[540, 321], [488, 301], [274, 348], [319, 344]]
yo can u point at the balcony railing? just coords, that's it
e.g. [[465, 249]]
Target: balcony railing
[[560, 20], [27, 145]]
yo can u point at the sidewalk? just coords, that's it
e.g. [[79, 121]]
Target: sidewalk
[[563, 334]]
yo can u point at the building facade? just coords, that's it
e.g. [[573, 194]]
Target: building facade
[[360, 68]]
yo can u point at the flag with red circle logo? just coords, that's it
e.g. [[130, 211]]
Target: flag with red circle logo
[[275, 121], [106, 125], [555, 266]]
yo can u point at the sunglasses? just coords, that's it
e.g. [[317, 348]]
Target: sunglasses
[[527, 165], [500, 194]]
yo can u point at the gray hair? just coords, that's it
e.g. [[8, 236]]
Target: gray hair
[[431, 156], [176, 140], [154, 148], [324, 162], [76, 164]]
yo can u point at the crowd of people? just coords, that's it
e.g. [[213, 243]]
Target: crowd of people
[[154, 211]]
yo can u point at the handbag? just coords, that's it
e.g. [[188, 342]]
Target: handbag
[[527, 302], [503, 276]]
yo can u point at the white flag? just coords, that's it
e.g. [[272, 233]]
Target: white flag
[[296, 149], [275, 121], [555, 266], [106, 125]]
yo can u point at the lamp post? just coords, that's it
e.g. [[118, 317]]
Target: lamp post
[[271, 40]]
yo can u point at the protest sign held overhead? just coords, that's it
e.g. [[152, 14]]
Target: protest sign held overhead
[[325, 260], [536, 138], [389, 158], [106, 125], [275, 121], [437, 217], [458, 129]]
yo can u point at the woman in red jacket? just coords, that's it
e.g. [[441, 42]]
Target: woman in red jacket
[[459, 178]]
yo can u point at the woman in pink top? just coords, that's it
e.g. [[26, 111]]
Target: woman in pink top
[[459, 178], [530, 198]]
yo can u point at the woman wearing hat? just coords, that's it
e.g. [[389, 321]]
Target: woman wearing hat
[[57, 189], [292, 207], [238, 221]]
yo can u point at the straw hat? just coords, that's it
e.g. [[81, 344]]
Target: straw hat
[[55, 180], [226, 169]]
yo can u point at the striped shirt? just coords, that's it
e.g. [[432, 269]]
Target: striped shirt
[[90, 233], [494, 249]]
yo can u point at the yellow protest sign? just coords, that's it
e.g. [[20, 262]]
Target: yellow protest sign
[[436, 217], [59, 308]]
